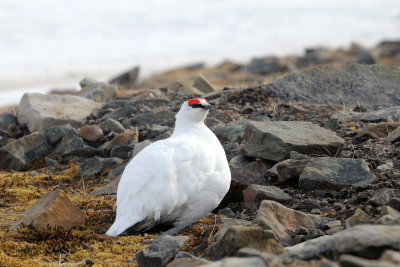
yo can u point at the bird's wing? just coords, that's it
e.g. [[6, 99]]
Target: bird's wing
[[160, 179]]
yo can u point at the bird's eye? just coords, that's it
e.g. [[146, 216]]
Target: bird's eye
[[197, 106]]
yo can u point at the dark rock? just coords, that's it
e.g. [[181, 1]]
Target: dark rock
[[40, 111], [73, 145], [360, 108], [126, 79], [247, 171], [126, 111], [359, 217], [163, 117], [379, 115], [274, 140], [335, 174], [91, 132], [99, 92], [332, 124], [56, 133], [237, 237], [228, 222], [111, 125], [233, 131], [366, 57], [395, 203], [51, 162], [117, 171], [315, 56], [18, 154], [288, 169], [152, 103], [266, 65], [93, 166], [7, 119], [226, 212], [54, 209], [364, 240], [352, 85], [382, 197], [161, 251], [87, 262], [254, 194], [283, 221], [121, 151], [139, 147]]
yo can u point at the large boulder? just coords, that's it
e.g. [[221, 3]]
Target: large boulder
[[41, 111], [368, 85], [53, 209], [334, 174], [18, 154], [275, 140]]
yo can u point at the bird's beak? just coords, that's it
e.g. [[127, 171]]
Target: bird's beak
[[208, 107]]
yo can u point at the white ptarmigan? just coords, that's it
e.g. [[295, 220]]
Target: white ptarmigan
[[175, 180]]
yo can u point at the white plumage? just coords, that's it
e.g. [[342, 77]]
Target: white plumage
[[175, 180]]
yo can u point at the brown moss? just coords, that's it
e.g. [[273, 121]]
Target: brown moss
[[201, 235]]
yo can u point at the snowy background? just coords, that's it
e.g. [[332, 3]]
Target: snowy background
[[54, 44]]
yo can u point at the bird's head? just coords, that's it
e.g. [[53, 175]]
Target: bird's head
[[195, 109]]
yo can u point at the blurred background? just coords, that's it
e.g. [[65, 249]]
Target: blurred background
[[54, 44]]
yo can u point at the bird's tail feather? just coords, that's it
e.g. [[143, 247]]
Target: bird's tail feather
[[118, 228]]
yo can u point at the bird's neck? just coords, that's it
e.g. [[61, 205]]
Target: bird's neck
[[183, 126]]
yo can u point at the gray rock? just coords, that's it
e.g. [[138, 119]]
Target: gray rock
[[121, 151], [126, 111], [73, 145], [389, 49], [87, 262], [117, 171], [226, 212], [366, 57], [315, 56], [363, 240], [237, 237], [126, 79], [237, 262], [352, 85], [385, 167], [139, 147], [254, 194], [394, 136], [56, 133], [335, 174], [379, 115], [185, 262], [288, 169], [359, 217], [204, 85], [266, 65], [275, 140], [228, 222], [111, 125], [91, 133], [382, 197], [109, 189], [88, 81], [152, 103], [51, 162], [95, 165], [40, 111], [353, 261], [247, 171], [332, 124], [161, 251], [18, 154], [233, 131], [99, 92], [7, 119], [284, 221], [163, 117]]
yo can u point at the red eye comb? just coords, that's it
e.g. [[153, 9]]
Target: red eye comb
[[193, 101]]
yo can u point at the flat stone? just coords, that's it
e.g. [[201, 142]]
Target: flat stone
[[41, 111], [95, 165], [359, 217], [237, 262], [382, 197], [353, 261], [335, 174], [283, 221], [54, 209], [161, 251], [204, 85], [121, 151], [288, 169], [91, 132], [380, 115], [18, 154], [254, 194], [363, 240], [352, 85], [275, 140], [163, 117], [126, 111], [377, 130], [111, 125], [233, 131], [185, 262], [56, 133], [228, 222]]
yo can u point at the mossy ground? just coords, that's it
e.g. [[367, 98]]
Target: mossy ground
[[52, 247]]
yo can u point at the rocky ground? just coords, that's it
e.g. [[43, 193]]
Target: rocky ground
[[313, 143]]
